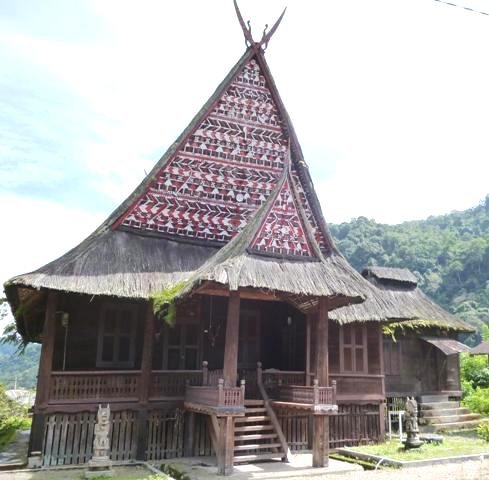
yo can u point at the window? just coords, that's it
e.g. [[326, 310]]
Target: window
[[181, 348], [353, 349], [392, 357], [116, 340]]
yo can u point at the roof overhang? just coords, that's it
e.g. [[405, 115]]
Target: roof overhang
[[447, 345]]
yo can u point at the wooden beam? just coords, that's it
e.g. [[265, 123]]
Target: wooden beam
[[230, 371], [308, 350], [322, 370], [47, 351], [216, 290], [320, 441], [145, 383]]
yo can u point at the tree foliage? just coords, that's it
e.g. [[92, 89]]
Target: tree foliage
[[449, 254]]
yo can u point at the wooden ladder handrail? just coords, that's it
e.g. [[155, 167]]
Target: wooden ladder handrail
[[272, 415]]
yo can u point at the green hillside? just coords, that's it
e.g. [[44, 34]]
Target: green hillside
[[22, 368], [448, 253]]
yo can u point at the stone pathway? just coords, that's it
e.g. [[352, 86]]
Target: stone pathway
[[15, 452]]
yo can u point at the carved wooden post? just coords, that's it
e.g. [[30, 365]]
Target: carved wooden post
[[308, 350], [320, 440], [322, 343], [205, 373], [145, 382], [382, 372], [315, 389], [333, 384], [226, 445], [44, 376], [230, 371], [259, 373], [220, 392], [243, 386]]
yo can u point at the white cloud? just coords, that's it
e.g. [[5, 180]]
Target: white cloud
[[389, 99]]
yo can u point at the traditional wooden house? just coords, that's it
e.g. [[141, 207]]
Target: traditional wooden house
[[225, 241], [200, 308], [420, 347]]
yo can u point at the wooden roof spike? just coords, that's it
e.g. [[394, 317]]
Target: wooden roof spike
[[247, 29]]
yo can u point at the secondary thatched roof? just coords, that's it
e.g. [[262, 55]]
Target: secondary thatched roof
[[404, 300]]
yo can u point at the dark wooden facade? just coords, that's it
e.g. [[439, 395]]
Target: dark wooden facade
[[163, 383]]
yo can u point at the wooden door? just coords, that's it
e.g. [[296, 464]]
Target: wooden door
[[249, 339]]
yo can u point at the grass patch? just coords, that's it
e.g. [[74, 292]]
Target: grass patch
[[452, 446]]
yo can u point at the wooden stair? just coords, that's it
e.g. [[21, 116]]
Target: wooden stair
[[255, 438]]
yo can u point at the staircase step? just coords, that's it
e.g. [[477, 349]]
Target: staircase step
[[250, 419], [455, 425], [255, 436], [257, 458], [255, 410], [253, 428], [251, 402], [440, 412], [256, 446], [433, 398], [432, 405], [452, 418]]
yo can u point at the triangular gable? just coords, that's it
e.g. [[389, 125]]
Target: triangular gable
[[223, 172], [282, 232], [225, 168]]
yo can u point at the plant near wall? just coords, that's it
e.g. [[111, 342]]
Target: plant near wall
[[483, 431], [164, 306]]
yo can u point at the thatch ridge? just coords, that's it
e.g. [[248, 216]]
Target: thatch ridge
[[402, 301], [391, 274]]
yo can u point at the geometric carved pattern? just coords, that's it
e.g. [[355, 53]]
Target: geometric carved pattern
[[282, 232], [225, 170]]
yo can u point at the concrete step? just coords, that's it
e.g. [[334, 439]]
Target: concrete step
[[440, 412], [437, 427], [452, 418], [439, 405], [433, 398], [257, 458]]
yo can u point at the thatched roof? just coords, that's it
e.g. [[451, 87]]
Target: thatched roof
[[481, 349], [231, 201], [403, 300]]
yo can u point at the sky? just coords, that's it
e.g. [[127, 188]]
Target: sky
[[389, 98]]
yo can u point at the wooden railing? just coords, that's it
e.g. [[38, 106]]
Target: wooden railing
[[88, 386], [172, 383], [313, 395], [355, 386], [216, 396]]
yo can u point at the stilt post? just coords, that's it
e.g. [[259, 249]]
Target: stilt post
[[230, 372]]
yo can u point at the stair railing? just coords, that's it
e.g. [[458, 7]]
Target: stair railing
[[271, 413]]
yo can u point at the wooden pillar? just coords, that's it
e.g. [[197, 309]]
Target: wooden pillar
[[145, 383], [230, 371], [188, 446], [44, 374], [308, 350], [322, 369], [320, 436], [320, 441], [382, 372], [226, 446]]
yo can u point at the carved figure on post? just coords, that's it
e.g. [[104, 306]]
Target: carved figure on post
[[100, 465], [412, 428]]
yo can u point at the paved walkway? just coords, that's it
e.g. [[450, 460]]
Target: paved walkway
[[16, 451]]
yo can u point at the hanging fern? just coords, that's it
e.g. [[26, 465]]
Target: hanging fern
[[164, 306]]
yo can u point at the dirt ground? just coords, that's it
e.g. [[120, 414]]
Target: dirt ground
[[473, 470]]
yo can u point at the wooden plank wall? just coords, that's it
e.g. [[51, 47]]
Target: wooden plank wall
[[296, 429], [68, 437]]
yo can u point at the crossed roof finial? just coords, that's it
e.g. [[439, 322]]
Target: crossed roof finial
[[247, 30]]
